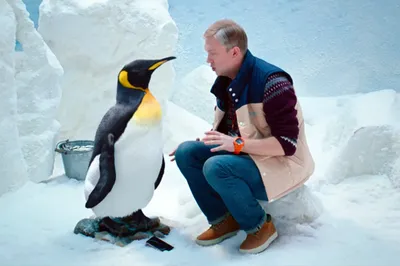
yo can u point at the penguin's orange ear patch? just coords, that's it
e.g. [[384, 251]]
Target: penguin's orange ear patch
[[157, 65], [123, 79]]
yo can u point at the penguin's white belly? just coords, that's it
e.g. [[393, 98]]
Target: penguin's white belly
[[138, 159]]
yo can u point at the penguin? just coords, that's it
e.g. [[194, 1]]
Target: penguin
[[127, 162]]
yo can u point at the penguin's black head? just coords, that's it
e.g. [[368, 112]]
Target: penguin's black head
[[137, 74]]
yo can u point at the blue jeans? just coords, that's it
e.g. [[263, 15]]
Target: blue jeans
[[223, 183]]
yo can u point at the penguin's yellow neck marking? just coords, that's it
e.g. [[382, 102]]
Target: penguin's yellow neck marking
[[149, 110]]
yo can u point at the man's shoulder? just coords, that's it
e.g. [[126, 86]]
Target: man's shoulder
[[266, 70]]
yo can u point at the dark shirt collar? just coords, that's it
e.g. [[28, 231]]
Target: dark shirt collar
[[234, 87]]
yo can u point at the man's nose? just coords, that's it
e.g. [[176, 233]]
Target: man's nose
[[209, 60]]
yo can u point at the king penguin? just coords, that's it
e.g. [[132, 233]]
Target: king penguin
[[127, 162]]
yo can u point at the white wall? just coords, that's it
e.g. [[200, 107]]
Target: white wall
[[330, 47]]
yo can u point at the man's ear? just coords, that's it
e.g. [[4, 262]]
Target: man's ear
[[236, 51]]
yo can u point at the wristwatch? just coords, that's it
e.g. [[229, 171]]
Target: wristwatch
[[238, 144]]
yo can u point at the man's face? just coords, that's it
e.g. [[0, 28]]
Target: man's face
[[220, 60]]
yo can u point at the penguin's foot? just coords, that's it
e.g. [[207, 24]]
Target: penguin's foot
[[114, 227], [137, 225], [140, 221]]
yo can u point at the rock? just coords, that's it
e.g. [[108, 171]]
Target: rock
[[92, 227], [87, 227], [98, 38]]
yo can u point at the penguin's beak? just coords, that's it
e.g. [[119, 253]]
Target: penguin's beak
[[160, 62]]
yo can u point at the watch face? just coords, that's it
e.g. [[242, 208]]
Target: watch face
[[239, 141]]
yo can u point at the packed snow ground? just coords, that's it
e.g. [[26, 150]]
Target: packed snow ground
[[358, 225], [355, 139]]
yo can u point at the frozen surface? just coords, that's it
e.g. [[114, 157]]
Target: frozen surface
[[349, 222], [93, 40], [348, 212]]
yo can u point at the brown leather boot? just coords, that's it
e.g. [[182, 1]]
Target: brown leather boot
[[260, 240], [219, 232]]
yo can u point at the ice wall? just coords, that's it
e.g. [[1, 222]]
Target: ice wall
[[13, 169], [38, 75], [93, 40], [30, 95], [330, 47]]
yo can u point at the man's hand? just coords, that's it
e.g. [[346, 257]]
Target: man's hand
[[225, 142], [172, 154]]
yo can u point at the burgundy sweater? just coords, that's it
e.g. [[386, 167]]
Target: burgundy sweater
[[279, 106]]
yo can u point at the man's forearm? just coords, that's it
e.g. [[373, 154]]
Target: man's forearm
[[267, 147]]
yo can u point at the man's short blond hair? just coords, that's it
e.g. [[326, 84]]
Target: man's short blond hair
[[228, 33]]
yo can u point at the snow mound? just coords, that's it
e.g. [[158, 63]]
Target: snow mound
[[194, 93], [352, 135], [182, 126], [333, 122], [13, 169], [360, 110], [38, 75], [93, 40], [299, 207], [372, 150]]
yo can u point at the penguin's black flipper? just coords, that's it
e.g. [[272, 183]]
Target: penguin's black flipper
[[160, 174], [107, 174]]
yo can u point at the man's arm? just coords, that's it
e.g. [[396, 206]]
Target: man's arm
[[280, 113]]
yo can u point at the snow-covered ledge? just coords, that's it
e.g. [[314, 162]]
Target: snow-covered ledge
[[371, 150], [29, 95], [93, 40]]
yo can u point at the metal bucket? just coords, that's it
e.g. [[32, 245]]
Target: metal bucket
[[76, 156]]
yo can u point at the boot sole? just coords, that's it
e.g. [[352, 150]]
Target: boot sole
[[215, 241], [262, 247]]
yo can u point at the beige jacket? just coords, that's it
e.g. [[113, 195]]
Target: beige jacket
[[280, 174]]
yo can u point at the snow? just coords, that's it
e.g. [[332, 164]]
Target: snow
[[93, 40], [330, 49], [348, 222], [38, 75], [348, 212], [31, 95], [194, 93], [13, 170]]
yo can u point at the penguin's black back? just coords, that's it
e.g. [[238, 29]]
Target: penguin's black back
[[115, 122]]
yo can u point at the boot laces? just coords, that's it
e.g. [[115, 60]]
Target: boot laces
[[218, 226]]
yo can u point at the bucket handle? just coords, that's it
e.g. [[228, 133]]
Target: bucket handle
[[60, 150]]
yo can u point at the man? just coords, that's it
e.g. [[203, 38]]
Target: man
[[256, 150]]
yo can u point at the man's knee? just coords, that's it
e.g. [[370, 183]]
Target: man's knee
[[215, 170], [185, 152]]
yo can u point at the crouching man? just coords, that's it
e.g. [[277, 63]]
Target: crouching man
[[257, 149]]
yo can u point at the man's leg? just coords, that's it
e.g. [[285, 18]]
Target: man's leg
[[190, 157], [238, 181]]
